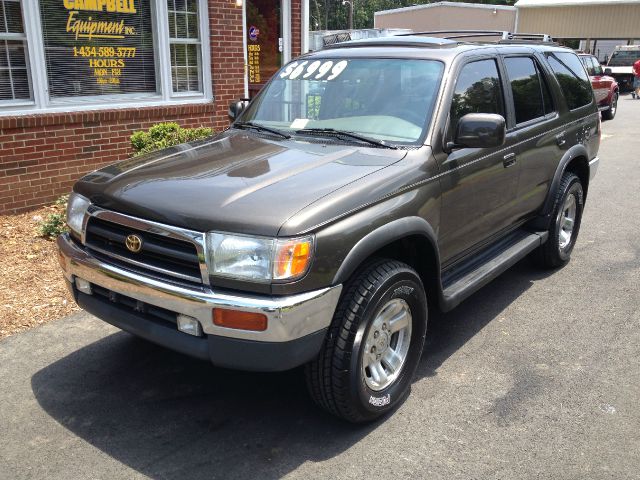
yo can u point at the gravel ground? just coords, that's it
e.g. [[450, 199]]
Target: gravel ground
[[32, 289]]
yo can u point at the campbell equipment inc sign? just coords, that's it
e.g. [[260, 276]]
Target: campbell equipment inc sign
[[98, 47]]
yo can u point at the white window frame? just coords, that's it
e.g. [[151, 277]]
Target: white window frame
[[42, 103], [20, 37]]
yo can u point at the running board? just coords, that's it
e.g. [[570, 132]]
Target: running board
[[463, 280]]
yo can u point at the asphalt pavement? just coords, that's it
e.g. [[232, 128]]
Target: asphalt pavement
[[535, 376]]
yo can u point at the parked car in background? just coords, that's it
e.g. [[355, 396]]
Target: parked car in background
[[605, 87], [620, 64]]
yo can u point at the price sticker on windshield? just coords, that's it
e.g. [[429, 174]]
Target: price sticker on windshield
[[317, 70]]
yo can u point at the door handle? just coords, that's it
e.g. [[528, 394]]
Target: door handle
[[561, 139], [509, 160]]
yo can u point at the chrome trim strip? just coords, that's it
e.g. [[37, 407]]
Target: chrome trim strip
[[192, 236], [289, 317]]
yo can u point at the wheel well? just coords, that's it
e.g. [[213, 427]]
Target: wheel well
[[417, 252], [580, 167]]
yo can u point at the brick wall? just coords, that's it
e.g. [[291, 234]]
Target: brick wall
[[296, 28], [42, 155]]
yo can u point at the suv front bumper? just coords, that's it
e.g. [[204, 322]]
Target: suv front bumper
[[144, 306]]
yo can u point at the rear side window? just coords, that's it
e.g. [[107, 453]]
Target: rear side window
[[572, 77], [588, 64], [477, 91], [597, 68], [531, 97]]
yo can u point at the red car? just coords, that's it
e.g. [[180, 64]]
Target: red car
[[604, 86]]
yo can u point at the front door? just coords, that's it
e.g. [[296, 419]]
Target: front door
[[478, 185], [265, 44]]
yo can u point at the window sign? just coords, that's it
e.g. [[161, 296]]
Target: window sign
[[98, 47]]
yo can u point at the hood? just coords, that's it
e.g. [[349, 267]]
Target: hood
[[237, 182]]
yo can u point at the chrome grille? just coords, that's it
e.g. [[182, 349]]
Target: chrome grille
[[162, 256]]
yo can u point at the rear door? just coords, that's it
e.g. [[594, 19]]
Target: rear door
[[478, 185], [535, 122], [600, 85]]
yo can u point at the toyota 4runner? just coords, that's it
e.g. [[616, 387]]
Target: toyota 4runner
[[367, 184]]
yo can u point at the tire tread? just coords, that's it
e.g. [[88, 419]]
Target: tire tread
[[326, 375]]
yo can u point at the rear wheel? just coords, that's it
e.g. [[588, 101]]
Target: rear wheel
[[613, 108], [374, 343], [563, 233]]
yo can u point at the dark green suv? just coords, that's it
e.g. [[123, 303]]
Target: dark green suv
[[368, 183]]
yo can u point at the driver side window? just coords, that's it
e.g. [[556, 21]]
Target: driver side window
[[478, 90]]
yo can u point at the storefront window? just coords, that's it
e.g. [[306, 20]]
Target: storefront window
[[59, 54], [98, 48], [14, 75], [184, 40]]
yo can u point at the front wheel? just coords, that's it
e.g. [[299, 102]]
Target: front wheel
[[563, 232], [610, 113], [374, 343]]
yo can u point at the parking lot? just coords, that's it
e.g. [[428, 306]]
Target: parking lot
[[535, 376]]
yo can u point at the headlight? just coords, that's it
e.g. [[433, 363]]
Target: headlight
[[76, 208], [258, 259]]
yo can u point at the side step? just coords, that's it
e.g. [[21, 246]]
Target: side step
[[463, 280]]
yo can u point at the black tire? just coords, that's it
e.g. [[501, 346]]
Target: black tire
[[610, 113], [556, 252], [336, 379]]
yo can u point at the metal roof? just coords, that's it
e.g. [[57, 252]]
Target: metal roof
[[445, 4], [571, 3]]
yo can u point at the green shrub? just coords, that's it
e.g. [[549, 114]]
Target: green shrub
[[55, 223], [164, 135]]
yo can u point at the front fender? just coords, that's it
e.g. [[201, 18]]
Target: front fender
[[381, 237]]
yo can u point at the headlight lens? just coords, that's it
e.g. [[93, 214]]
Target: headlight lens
[[76, 208], [258, 259]]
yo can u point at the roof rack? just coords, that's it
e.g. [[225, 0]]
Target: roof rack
[[394, 41], [503, 36]]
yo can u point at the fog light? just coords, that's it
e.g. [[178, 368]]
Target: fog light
[[189, 325], [83, 286]]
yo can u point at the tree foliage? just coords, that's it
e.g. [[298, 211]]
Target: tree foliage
[[333, 15]]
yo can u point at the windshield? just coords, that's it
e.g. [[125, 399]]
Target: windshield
[[389, 100], [623, 58]]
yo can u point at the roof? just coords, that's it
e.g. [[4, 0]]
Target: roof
[[445, 4], [571, 3]]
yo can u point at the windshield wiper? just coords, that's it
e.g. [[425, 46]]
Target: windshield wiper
[[343, 133], [260, 128]]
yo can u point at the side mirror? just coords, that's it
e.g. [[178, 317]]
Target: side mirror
[[237, 107], [607, 71], [479, 130]]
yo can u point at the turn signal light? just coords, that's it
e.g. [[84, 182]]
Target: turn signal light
[[292, 258], [239, 320]]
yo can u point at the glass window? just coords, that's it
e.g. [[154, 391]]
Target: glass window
[[98, 49], [597, 68], [14, 75], [588, 64], [477, 91], [624, 58], [184, 41], [384, 99], [531, 97], [572, 77]]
